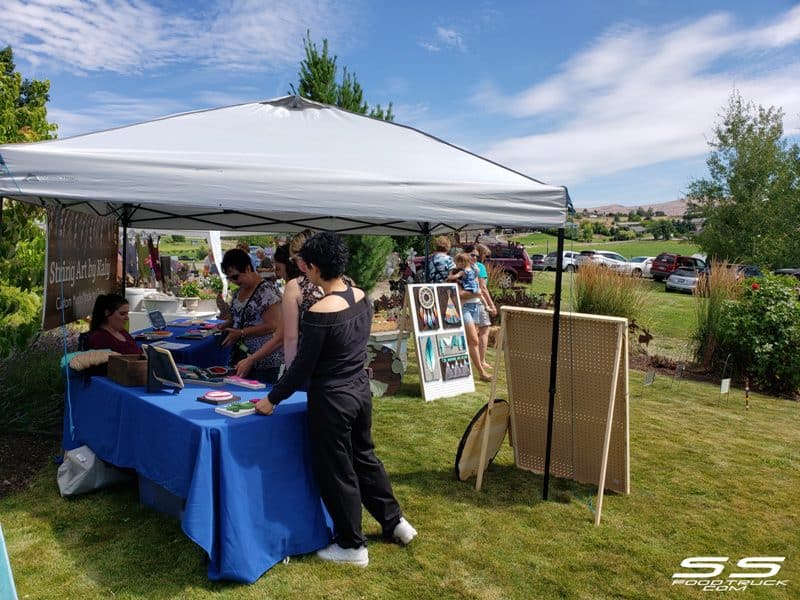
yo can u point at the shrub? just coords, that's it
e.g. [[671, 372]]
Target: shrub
[[367, 262], [495, 274], [602, 291], [190, 289], [519, 297], [761, 331], [32, 396], [20, 318], [716, 287]]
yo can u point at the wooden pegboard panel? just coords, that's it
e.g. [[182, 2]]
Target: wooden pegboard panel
[[587, 356]]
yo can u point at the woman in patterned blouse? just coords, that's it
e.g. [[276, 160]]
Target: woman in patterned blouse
[[255, 327]]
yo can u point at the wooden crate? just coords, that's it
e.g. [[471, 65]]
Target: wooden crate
[[128, 369]]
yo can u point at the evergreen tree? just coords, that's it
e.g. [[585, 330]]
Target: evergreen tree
[[317, 81]]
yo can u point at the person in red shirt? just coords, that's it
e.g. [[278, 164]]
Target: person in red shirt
[[107, 329]]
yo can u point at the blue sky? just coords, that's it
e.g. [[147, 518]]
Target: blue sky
[[615, 100]]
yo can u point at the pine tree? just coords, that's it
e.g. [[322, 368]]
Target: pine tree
[[317, 81]]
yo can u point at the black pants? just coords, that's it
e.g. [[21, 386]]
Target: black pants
[[348, 472]]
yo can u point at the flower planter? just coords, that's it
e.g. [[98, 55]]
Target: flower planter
[[191, 304]]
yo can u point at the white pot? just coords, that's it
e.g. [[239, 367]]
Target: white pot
[[164, 305], [191, 304], [135, 295]]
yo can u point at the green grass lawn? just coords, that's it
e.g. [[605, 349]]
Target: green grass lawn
[[669, 317], [708, 479]]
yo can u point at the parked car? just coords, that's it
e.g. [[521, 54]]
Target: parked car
[[513, 259], [683, 279], [745, 271], [666, 262], [605, 258], [639, 266], [794, 272], [568, 261], [742, 271], [537, 262]]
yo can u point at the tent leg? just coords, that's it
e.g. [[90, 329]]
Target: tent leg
[[124, 252], [553, 361], [427, 250]]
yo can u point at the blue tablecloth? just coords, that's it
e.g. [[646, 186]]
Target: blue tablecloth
[[206, 352], [251, 498]]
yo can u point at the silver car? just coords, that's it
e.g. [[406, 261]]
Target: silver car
[[568, 263], [683, 280], [639, 266]]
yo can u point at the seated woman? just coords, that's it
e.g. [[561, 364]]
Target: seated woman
[[107, 329], [254, 327]]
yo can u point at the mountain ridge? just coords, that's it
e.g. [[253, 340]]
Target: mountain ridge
[[674, 208]]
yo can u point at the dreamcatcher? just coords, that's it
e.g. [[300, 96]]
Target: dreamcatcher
[[427, 308]]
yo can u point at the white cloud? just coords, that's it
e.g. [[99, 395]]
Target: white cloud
[[136, 35], [107, 110], [451, 38], [642, 96], [445, 38]]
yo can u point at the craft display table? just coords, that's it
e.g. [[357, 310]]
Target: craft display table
[[206, 352], [138, 319], [246, 485]]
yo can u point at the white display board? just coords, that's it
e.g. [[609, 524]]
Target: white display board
[[442, 354]]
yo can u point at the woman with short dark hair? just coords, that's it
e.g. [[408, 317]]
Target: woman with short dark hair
[[331, 356], [107, 329]]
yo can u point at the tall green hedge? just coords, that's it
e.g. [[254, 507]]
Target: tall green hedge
[[20, 318]]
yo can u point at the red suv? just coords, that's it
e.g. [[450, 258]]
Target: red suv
[[513, 259], [666, 262]]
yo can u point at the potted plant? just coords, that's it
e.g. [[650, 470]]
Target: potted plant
[[190, 292]]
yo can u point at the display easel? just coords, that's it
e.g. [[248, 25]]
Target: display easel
[[591, 413], [434, 313]]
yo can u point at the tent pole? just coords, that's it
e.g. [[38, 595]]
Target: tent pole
[[125, 221], [553, 361], [427, 232]]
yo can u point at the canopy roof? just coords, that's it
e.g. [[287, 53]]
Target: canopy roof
[[279, 165]]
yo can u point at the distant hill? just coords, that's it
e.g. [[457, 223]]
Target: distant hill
[[676, 208]]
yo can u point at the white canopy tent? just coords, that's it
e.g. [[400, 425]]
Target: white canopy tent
[[280, 166]]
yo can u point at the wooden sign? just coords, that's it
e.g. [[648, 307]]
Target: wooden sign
[[441, 343], [81, 263]]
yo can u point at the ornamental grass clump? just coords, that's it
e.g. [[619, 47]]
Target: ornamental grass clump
[[761, 332], [718, 285], [602, 291]]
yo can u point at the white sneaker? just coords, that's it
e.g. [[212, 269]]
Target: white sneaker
[[404, 532], [353, 556]]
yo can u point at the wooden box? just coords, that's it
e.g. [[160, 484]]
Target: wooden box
[[128, 369]]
